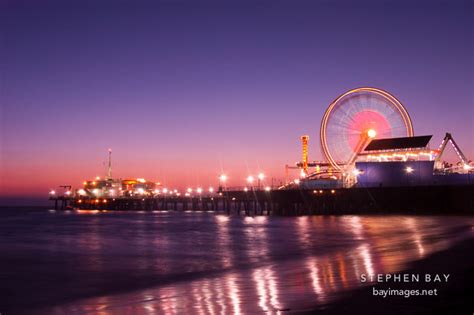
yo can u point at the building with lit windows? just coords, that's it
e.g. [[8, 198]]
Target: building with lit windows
[[406, 161]]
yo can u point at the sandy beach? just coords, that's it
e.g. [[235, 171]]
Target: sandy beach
[[454, 297]]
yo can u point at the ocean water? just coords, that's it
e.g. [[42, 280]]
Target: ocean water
[[164, 262]]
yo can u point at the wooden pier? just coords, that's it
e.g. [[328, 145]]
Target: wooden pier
[[414, 200]]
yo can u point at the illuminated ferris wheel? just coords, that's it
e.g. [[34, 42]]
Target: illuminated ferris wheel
[[356, 117]]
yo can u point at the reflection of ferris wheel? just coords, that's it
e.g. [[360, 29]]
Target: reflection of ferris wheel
[[357, 116]]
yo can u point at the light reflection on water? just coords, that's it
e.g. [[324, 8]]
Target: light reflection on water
[[214, 264]]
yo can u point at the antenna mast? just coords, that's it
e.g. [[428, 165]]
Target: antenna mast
[[109, 168]]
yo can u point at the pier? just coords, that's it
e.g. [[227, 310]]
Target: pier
[[363, 171], [413, 200]]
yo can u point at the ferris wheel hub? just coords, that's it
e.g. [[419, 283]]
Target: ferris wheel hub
[[371, 133]]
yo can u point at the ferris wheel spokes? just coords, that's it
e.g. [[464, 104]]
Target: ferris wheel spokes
[[356, 117]]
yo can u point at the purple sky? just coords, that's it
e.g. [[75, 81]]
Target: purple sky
[[181, 91]]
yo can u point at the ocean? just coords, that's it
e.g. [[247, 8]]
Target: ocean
[[165, 262]]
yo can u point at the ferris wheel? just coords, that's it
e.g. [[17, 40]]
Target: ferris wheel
[[356, 117]]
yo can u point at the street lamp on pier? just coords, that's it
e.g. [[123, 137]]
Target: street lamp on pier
[[250, 180], [260, 177], [222, 180]]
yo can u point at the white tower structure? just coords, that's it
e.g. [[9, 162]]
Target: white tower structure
[[109, 168]]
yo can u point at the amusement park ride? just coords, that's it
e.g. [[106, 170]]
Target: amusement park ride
[[371, 125]]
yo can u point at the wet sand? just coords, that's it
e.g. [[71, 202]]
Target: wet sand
[[454, 297]]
